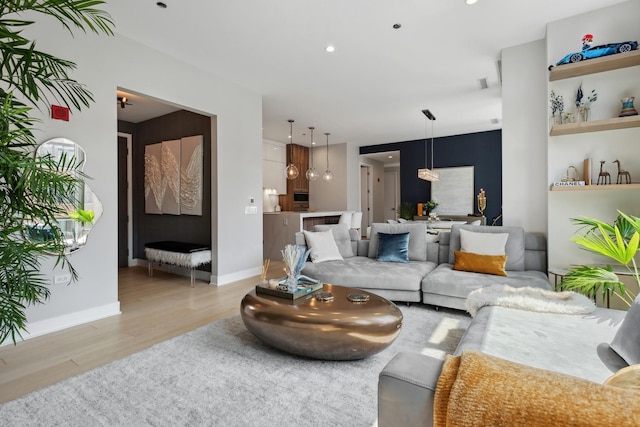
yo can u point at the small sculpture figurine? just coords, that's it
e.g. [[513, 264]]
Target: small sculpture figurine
[[482, 201], [604, 176], [622, 173], [587, 41]]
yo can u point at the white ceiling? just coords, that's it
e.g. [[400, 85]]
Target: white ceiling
[[372, 89]]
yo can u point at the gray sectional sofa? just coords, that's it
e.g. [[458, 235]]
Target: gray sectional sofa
[[575, 345], [429, 277]]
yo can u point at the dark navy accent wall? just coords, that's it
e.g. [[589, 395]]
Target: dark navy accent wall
[[483, 150]]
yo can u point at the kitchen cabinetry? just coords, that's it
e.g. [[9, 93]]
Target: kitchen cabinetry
[[273, 166], [299, 156]]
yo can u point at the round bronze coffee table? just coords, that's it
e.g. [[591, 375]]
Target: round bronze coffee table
[[329, 330]]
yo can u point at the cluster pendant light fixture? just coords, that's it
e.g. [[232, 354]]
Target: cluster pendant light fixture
[[292, 170], [426, 173], [312, 174], [327, 176]]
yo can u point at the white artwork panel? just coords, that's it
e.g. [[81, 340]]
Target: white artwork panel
[[154, 185], [171, 176], [454, 191], [191, 175]]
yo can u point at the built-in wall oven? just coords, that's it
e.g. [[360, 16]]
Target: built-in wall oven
[[300, 200]]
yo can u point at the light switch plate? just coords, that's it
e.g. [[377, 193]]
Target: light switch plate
[[251, 210]]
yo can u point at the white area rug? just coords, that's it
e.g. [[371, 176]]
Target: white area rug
[[530, 299], [221, 375]]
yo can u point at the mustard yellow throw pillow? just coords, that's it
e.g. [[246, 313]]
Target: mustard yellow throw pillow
[[476, 263]]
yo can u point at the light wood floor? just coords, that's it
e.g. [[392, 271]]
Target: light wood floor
[[153, 310]]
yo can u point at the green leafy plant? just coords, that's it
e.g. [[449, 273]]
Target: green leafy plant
[[35, 191], [619, 242], [406, 210], [431, 205]]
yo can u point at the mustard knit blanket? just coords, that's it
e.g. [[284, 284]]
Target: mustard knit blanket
[[476, 389]]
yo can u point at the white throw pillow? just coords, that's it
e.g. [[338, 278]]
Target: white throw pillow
[[483, 243], [323, 246]]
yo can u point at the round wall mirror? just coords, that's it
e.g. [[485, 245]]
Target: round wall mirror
[[80, 217]]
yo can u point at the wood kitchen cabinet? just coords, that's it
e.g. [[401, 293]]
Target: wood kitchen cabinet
[[299, 156]]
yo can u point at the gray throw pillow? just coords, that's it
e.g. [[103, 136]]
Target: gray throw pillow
[[626, 341], [340, 235]]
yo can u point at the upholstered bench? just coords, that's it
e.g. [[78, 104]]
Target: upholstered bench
[[181, 254]]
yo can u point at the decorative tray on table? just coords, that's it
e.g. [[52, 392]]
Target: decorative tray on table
[[306, 285]]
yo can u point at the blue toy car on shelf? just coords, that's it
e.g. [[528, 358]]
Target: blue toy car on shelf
[[598, 51]]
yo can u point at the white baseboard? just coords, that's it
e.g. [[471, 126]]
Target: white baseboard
[[227, 279], [42, 327]]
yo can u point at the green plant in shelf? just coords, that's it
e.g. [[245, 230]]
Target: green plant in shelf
[[619, 242]]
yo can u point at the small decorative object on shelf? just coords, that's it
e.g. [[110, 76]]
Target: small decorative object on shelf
[[590, 52], [584, 108], [557, 108], [324, 296], [294, 258], [429, 206], [622, 174], [627, 107], [358, 298], [570, 179], [482, 201], [603, 177]]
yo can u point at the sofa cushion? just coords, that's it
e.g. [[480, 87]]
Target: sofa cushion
[[340, 235], [322, 245], [626, 342], [483, 243], [444, 280], [417, 238], [477, 263], [367, 273], [514, 249], [393, 247]]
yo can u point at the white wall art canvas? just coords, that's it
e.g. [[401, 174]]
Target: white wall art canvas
[[191, 167], [171, 175], [454, 191], [154, 184]]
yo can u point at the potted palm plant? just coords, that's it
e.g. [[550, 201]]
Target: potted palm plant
[[619, 242], [35, 190]]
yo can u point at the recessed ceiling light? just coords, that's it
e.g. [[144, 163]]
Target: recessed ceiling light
[[391, 157], [470, 1], [161, 5], [330, 49]]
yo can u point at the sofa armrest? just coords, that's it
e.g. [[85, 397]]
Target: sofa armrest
[[406, 388]]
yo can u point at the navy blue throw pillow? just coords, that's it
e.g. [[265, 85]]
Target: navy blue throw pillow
[[393, 247]]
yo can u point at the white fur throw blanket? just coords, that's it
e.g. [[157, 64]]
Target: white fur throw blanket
[[530, 299]]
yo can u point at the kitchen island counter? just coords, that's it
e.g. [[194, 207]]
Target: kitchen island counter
[[279, 228]]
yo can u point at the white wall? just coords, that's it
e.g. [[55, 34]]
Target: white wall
[[524, 136], [332, 196], [613, 24], [104, 64]]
